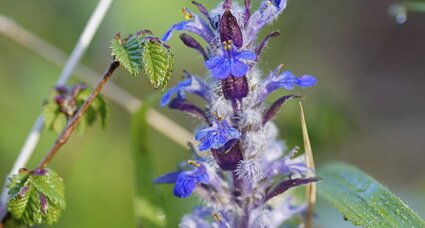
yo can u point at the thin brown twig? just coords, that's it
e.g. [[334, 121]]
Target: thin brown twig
[[70, 127]]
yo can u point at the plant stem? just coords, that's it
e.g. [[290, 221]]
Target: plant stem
[[72, 124]]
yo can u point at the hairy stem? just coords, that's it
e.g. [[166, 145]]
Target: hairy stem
[[72, 124]]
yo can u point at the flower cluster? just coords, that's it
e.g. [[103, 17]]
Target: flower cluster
[[242, 167]]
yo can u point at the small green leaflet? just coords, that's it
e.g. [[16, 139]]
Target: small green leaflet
[[36, 197], [144, 51], [98, 110], [158, 62], [128, 52], [55, 118], [362, 200]]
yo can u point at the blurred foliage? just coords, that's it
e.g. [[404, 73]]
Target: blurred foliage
[[362, 200]]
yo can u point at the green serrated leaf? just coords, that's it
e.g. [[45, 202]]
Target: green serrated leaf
[[50, 112], [158, 62], [101, 109], [128, 53], [36, 197], [98, 110], [362, 200], [52, 186], [53, 119], [18, 181]]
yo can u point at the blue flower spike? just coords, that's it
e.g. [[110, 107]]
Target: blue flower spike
[[216, 136], [187, 181], [239, 136]]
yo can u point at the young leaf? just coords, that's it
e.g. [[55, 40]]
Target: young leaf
[[128, 52], [158, 62], [362, 200], [143, 50], [63, 103], [98, 110], [53, 119], [36, 197]]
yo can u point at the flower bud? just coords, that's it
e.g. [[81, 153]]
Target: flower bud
[[235, 88], [230, 30]]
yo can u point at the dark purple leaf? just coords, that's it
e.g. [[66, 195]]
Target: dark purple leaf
[[203, 10], [189, 108], [265, 41], [192, 43], [274, 108], [228, 159], [288, 184], [247, 13]]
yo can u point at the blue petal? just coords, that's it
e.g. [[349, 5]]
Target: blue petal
[[187, 181], [179, 26], [280, 4], [212, 62], [238, 68], [184, 187], [246, 55], [202, 175], [216, 136], [219, 67], [307, 81], [167, 178], [166, 98], [205, 145], [198, 88]]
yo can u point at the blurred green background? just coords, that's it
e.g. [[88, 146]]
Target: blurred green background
[[368, 108]]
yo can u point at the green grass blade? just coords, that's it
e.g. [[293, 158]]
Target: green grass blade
[[362, 200]]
